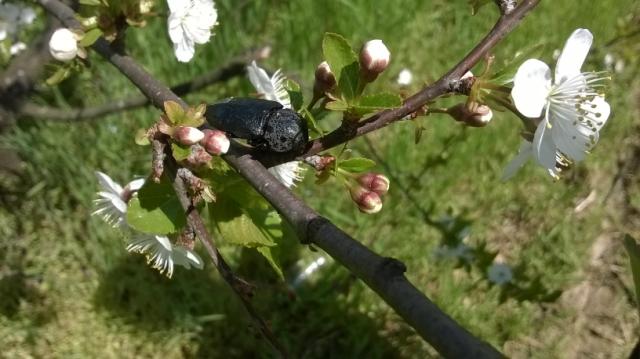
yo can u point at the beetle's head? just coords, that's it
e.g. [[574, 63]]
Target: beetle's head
[[285, 131]]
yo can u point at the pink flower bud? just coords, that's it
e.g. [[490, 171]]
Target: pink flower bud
[[215, 142], [374, 58], [187, 135], [472, 114], [325, 79], [367, 201], [198, 157], [375, 182]]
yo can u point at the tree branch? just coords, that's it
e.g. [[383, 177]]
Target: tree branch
[[233, 68], [343, 134], [383, 275]]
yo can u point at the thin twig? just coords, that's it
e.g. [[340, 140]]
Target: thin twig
[[342, 134], [233, 68]]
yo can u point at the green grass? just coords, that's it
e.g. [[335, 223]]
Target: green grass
[[69, 289]]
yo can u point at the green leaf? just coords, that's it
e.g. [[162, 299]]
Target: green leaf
[[337, 105], [476, 5], [142, 138], [240, 226], [268, 254], [295, 94], [180, 152], [90, 37], [343, 61], [156, 209], [356, 164], [311, 122], [60, 75], [633, 249], [90, 2], [376, 102], [175, 112]]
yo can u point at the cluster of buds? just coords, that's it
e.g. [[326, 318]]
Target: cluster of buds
[[215, 142], [374, 59], [367, 193]]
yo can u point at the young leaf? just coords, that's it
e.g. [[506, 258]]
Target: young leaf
[[376, 102], [142, 138], [90, 2], [90, 37], [174, 111], [239, 227], [633, 249], [156, 209], [356, 164], [343, 61], [311, 122], [180, 152], [295, 94], [60, 75], [337, 105]]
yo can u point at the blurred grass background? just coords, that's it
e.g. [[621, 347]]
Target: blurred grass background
[[69, 289]]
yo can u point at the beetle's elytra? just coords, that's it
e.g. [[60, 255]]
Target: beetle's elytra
[[264, 124]]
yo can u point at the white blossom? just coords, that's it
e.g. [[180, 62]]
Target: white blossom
[[190, 23], [111, 203], [405, 77], [499, 273], [572, 108], [272, 88], [63, 45], [17, 48], [162, 255]]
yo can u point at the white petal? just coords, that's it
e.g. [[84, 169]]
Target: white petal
[[288, 173], [115, 200], [524, 153], [184, 50], [178, 6], [599, 111], [259, 79], [164, 242], [573, 55], [544, 149], [108, 184], [531, 87], [136, 184]]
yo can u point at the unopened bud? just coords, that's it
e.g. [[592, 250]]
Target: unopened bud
[[188, 135], [325, 79], [215, 142], [320, 163], [198, 157], [367, 201], [374, 58], [63, 45], [472, 114], [375, 182]]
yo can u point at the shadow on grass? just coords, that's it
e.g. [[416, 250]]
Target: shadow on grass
[[315, 323]]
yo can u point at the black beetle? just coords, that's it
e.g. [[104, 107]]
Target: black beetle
[[264, 124]]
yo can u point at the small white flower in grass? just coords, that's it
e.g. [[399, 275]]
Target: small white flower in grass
[[272, 88], [190, 23], [499, 273], [111, 203], [17, 48], [572, 107], [162, 254], [405, 77], [63, 45]]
